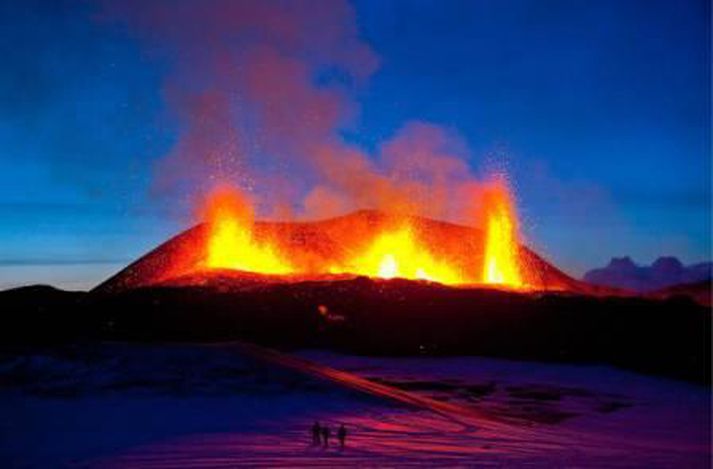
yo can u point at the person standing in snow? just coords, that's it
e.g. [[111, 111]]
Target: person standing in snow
[[342, 435], [325, 435], [316, 432]]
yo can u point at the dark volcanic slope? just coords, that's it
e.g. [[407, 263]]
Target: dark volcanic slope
[[321, 240], [698, 291], [375, 316], [41, 314]]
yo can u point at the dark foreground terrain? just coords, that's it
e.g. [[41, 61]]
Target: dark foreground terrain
[[378, 317]]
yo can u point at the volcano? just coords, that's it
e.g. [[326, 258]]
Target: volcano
[[180, 260]]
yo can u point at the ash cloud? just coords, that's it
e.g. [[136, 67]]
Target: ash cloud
[[262, 89]]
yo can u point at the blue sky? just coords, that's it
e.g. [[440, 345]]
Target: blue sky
[[600, 111]]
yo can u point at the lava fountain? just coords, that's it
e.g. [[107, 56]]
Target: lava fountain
[[501, 264], [397, 249], [232, 243]]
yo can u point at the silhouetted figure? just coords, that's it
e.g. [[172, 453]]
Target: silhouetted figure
[[316, 434], [342, 435], [325, 435]]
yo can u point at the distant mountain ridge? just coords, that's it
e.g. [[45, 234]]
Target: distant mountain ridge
[[665, 272]]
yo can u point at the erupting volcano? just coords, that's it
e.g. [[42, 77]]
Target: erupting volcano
[[397, 249], [380, 245]]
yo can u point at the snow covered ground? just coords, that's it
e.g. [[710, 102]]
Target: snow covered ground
[[645, 420], [122, 405]]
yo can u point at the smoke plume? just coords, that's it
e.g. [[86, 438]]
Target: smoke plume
[[261, 91]]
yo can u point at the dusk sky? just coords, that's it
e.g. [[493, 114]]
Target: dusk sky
[[599, 110]]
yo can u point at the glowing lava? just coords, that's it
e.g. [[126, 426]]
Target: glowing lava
[[501, 257], [231, 240], [397, 253], [393, 249]]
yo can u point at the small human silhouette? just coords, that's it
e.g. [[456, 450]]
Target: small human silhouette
[[316, 432], [325, 435], [342, 435]]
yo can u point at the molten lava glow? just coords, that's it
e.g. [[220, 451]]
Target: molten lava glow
[[389, 267], [398, 254], [231, 242], [397, 249], [501, 260]]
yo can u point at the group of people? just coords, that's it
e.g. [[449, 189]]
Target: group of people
[[321, 434]]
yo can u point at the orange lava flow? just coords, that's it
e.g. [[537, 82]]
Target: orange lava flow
[[501, 259]]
